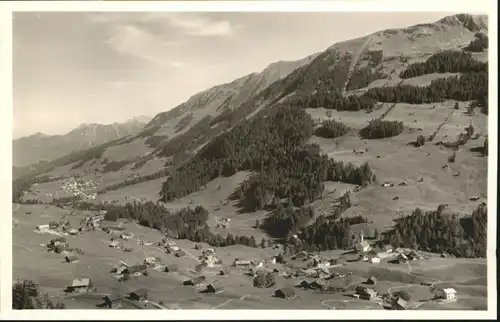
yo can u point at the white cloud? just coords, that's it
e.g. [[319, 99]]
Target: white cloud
[[192, 24], [196, 25], [132, 40], [151, 36]]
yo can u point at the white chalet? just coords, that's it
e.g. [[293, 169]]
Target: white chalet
[[449, 294]]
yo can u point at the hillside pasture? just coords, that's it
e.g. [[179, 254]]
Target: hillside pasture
[[127, 151], [146, 191], [355, 120]]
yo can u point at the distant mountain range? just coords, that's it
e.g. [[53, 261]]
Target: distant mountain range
[[41, 147]]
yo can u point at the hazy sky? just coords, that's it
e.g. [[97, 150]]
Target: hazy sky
[[73, 68]]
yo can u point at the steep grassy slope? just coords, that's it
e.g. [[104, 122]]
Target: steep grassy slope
[[351, 82]]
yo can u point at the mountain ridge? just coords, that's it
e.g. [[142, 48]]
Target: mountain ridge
[[215, 110], [43, 147]]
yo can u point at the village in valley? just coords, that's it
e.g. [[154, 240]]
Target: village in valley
[[199, 268]]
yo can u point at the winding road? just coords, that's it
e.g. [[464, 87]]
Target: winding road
[[157, 305], [22, 246], [331, 307]]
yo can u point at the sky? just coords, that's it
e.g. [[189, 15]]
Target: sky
[[71, 68]]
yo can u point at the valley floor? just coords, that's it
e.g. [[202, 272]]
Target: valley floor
[[32, 261]]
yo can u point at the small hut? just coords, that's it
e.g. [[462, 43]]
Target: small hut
[[318, 284], [285, 293], [401, 304], [215, 287], [171, 268], [139, 295], [305, 284], [80, 285], [195, 281], [53, 225], [112, 300], [371, 281], [71, 258]]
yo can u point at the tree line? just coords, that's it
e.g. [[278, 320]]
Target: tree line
[[26, 296], [326, 234], [436, 231], [331, 100], [287, 220], [186, 223], [478, 44], [467, 87], [448, 61]]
